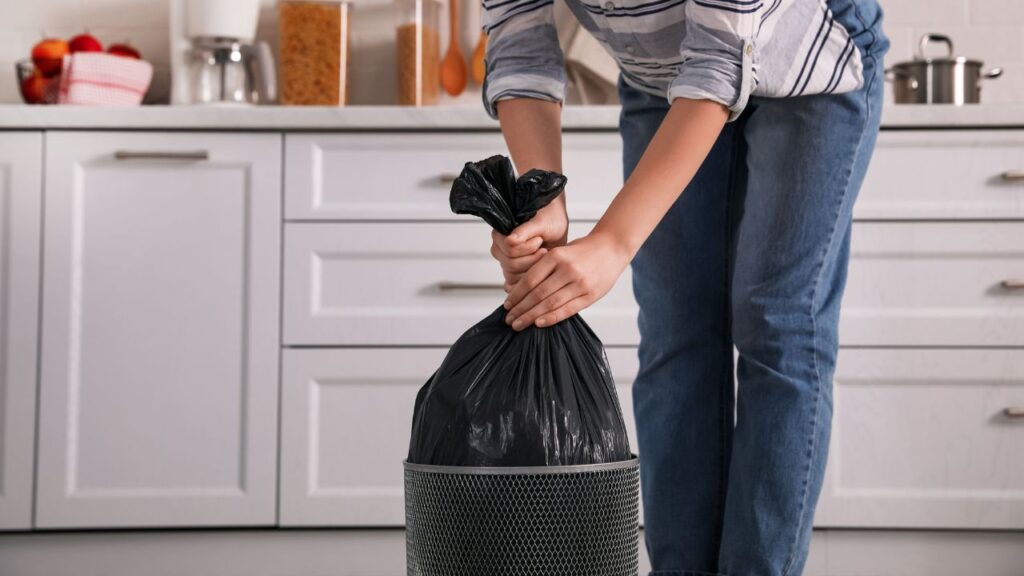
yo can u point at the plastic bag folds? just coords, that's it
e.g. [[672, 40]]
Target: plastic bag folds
[[538, 397]]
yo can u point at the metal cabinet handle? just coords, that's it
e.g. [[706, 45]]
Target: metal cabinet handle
[[1013, 176], [186, 155], [1013, 284], [458, 286], [447, 177], [1014, 412]]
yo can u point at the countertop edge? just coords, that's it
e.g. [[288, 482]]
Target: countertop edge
[[384, 118]]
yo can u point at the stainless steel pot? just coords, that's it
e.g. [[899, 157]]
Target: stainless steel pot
[[948, 80]]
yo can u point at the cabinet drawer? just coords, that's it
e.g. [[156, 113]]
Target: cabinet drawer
[[408, 284], [407, 176], [345, 421], [935, 284], [945, 175], [921, 439]]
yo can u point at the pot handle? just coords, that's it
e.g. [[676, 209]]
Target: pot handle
[[992, 74], [934, 39]]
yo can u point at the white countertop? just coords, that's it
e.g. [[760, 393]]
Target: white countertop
[[15, 116]]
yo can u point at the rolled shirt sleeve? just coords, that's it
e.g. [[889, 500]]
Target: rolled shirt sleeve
[[718, 53], [524, 59]]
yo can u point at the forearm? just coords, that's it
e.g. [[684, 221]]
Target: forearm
[[533, 133], [672, 158]]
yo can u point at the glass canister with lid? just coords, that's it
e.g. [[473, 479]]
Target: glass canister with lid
[[418, 51], [314, 52]]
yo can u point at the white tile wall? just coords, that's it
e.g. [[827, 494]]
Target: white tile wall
[[991, 30]]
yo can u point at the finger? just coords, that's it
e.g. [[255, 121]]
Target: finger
[[521, 265], [537, 274], [564, 311], [512, 279], [553, 302], [524, 248], [549, 286], [502, 246], [526, 231]]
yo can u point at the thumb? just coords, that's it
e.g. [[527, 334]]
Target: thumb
[[525, 232]]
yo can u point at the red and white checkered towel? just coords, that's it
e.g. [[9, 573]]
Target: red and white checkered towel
[[100, 79]]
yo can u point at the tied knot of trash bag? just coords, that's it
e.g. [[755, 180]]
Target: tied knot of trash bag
[[538, 397], [490, 190]]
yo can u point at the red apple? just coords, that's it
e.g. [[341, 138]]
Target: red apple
[[48, 55], [32, 88], [124, 50], [85, 43]]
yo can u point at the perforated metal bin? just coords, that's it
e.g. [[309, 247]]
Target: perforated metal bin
[[528, 521]]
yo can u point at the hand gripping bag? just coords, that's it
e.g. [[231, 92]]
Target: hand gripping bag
[[539, 397]]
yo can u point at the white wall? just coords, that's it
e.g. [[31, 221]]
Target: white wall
[[990, 30]]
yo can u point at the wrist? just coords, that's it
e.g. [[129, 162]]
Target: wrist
[[615, 243]]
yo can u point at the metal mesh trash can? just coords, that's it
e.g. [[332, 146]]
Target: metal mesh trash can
[[523, 521]]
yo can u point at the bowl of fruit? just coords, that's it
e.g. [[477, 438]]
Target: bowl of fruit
[[80, 71]]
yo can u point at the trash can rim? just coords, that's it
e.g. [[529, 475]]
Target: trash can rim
[[513, 470]]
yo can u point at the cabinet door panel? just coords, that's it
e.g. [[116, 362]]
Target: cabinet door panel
[[408, 284], [945, 174], [20, 202], [345, 421], [922, 439], [935, 284], [160, 330], [407, 176]]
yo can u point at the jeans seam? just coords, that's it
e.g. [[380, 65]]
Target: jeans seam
[[726, 379], [869, 84]]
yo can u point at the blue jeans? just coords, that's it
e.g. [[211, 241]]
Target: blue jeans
[[752, 255]]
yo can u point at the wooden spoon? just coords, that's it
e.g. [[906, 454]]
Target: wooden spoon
[[476, 62], [453, 67]]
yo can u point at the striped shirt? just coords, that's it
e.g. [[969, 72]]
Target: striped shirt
[[720, 50]]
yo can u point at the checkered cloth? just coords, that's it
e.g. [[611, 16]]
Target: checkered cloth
[[100, 79]]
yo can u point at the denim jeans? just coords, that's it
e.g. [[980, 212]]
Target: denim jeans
[[753, 255]]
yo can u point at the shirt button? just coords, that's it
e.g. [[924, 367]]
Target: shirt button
[[609, 6], [750, 49], [630, 49]]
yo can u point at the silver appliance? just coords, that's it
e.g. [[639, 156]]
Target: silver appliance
[[226, 71], [215, 59]]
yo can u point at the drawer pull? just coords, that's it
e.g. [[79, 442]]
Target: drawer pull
[[460, 286], [187, 155], [1015, 412], [1013, 176], [447, 177], [1013, 284]]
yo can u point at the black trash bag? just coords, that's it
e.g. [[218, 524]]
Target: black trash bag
[[540, 397]]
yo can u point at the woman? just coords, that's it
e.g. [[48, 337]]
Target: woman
[[747, 127]]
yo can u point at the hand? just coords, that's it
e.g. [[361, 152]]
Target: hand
[[530, 241], [566, 280]]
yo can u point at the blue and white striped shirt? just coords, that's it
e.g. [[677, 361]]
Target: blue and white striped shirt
[[720, 50]]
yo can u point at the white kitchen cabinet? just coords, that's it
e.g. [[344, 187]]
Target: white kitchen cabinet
[[345, 419], [160, 336], [926, 439], [408, 176], [935, 284], [21, 196], [945, 175], [408, 284]]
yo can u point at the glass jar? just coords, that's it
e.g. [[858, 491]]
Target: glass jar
[[314, 52], [418, 51]]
